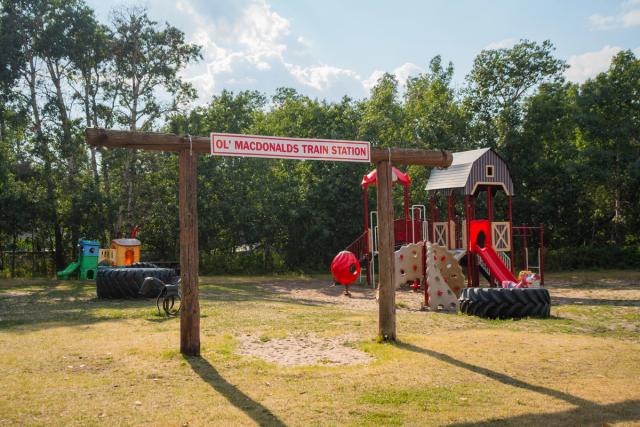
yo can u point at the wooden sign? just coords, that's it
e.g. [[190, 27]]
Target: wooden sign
[[335, 150]]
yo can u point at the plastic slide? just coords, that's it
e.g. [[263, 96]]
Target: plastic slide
[[64, 274], [495, 265]]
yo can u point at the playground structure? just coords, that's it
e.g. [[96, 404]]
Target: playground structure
[[484, 242], [410, 228], [430, 252], [87, 264], [123, 252]]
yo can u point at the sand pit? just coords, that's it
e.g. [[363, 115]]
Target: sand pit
[[298, 350]]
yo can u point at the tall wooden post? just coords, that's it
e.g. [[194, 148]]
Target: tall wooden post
[[387, 292], [190, 309]]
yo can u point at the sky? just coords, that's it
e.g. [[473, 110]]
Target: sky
[[330, 48]]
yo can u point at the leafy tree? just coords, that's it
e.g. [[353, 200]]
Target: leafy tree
[[147, 60], [499, 82], [383, 116], [610, 119]]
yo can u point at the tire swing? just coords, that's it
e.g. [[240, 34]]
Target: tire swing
[[168, 298]]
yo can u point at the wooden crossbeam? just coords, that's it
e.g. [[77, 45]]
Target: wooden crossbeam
[[190, 148], [201, 144]]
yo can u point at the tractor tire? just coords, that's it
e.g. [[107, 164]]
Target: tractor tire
[[142, 264], [119, 283], [499, 303]]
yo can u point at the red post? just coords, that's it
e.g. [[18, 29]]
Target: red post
[[366, 210], [542, 254], [468, 240], [406, 201], [406, 213], [511, 235]]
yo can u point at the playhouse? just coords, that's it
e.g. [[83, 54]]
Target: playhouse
[[125, 251], [478, 185]]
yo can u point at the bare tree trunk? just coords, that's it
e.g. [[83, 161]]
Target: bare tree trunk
[[45, 153]]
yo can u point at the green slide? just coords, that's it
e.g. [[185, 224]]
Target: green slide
[[64, 274]]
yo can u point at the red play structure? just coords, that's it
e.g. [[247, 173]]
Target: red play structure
[[477, 182], [409, 228]]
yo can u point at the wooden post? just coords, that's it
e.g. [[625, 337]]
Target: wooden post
[[387, 292], [190, 310]]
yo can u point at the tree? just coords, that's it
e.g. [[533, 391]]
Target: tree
[[434, 117], [147, 61], [383, 115], [610, 119], [498, 83]]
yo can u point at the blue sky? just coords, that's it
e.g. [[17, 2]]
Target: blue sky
[[331, 48]]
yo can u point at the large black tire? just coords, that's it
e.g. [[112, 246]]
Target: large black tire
[[499, 303], [142, 264], [115, 283]]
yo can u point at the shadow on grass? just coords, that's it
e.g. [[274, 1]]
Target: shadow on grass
[[52, 303], [592, 415], [258, 413], [39, 304], [585, 413]]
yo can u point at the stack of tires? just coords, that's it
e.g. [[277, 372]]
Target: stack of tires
[[125, 282], [503, 303]]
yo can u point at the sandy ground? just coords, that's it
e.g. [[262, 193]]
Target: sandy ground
[[312, 350], [296, 350]]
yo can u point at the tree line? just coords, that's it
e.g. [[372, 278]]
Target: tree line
[[573, 149]]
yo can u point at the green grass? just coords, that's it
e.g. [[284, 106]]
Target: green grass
[[71, 359]]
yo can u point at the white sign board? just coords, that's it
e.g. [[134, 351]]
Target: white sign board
[[228, 144]]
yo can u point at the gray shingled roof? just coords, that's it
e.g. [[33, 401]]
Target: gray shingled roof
[[456, 175]]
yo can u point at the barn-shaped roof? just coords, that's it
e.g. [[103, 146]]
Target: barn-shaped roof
[[470, 169]]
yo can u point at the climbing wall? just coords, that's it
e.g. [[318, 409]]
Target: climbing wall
[[408, 263], [444, 276]]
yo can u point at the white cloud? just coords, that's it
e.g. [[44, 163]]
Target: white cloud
[[501, 44], [406, 70], [262, 31], [371, 81], [401, 73], [251, 45], [254, 37], [590, 64], [628, 16], [304, 42], [240, 81], [319, 77]]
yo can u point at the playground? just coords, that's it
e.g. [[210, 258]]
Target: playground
[[72, 359]]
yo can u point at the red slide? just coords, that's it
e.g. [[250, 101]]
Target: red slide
[[495, 264]]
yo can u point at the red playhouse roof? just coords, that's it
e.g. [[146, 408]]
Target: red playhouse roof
[[371, 178]]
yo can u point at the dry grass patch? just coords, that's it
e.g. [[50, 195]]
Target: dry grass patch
[[70, 359]]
